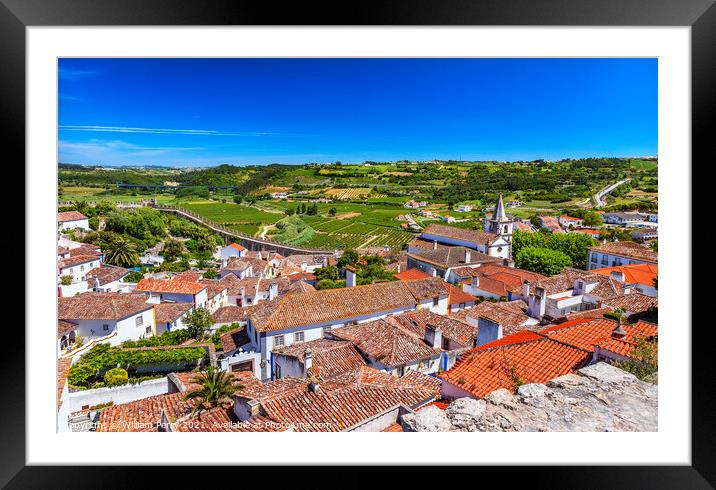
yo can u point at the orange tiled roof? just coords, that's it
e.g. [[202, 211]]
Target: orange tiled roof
[[415, 321], [168, 312], [632, 302], [314, 307], [73, 260], [177, 285], [344, 401], [457, 296], [475, 236], [63, 368], [238, 247], [584, 333], [143, 415], [628, 249], [387, 343], [101, 306], [635, 273], [411, 274], [330, 357], [70, 216], [525, 357]]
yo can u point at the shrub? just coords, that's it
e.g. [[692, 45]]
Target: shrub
[[66, 280], [116, 377]]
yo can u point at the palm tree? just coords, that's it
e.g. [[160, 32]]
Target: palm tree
[[121, 252], [216, 389]]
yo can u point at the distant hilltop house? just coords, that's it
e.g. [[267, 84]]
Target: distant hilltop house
[[69, 220], [415, 204], [447, 219], [567, 221], [279, 195], [592, 232], [622, 218], [514, 204], [232, 250], [464, 208]]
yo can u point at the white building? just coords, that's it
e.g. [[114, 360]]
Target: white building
[[613, 254], [306, 316], [232, 250], [567, 221], [69, 220], [108, 317], [177, 289], [170, 316]]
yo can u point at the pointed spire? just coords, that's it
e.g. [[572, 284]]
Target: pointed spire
[[499, 214]]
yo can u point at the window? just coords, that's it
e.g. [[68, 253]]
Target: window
[[325, 330], [278, 341], [277, 371], [139, 321], [298, 337], [105, 327], [605, 260], [462, 306], [436, 300], [148, 330], [594, 258], [82, 267]]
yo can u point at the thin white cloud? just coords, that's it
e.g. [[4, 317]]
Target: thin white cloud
[[124, 129]]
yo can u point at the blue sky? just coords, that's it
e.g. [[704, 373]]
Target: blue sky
[[199, 112]]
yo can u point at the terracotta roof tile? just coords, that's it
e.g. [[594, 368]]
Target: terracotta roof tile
[[70, 216], [411, 274], [452, 257], [64, 327], [387, 343], [106, 274], [458, 331], [330, 357], [633, 274], [475, 236], [169, 312], [143, 415], [324, 306], [177, 285], [632, 302], [524, 357], [628, 249], [101, 306], [584, 333]]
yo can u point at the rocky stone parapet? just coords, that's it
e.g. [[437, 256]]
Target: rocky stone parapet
[[597, 398]]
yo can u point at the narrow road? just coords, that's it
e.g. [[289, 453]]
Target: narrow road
[[599, 195]]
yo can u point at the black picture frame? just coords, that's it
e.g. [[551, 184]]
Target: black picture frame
[[700, 15]]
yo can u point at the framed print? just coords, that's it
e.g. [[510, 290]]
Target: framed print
[[275, 233]]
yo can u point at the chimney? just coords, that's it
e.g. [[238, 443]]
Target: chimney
[[619, 332], [435, 244], [525, 289], [617, 275], [433, 272], [243, 296], [467, 256], [475, 281], [308, 359], [273, 291], [350, 277], [433, 336]]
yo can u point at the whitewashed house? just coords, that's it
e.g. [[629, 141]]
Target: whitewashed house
[[108, 317], [177, 289], [232, 250], [305, 316], [170, 316], [69, 220], [614, 254]]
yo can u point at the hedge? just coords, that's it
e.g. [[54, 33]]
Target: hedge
[[174, 337], [103, 357]]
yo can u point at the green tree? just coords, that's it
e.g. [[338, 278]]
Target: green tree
[[349, 257], [592, 219], [575, 245], [542, 260], [210, 274], [116, 377], [216, 388], [121, 252], [172, 249], [332, 212], [198, 321]]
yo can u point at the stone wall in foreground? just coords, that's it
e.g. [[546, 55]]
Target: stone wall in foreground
[[598, 398]]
